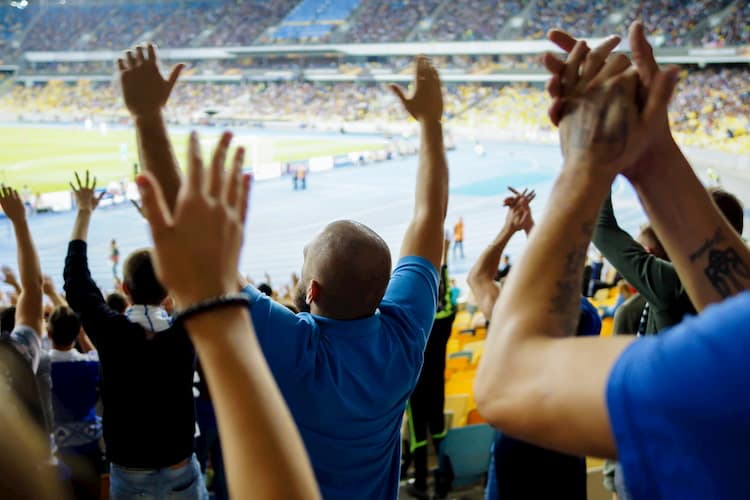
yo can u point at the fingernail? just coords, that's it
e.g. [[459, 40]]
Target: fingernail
[[141, 182]]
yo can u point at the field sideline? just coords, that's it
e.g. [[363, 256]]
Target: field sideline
[[45, 158]]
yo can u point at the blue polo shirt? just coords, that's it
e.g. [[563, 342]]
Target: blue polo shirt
[[679, 407], [347, 382]]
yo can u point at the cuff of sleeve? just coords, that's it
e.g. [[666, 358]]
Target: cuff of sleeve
[[252, 293], [77, 246]]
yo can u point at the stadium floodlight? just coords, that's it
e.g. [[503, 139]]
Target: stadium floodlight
[[19, 4]]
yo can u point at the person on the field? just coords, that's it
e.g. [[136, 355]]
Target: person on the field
[[670, 407], [114, 256], [458, 237], [346, 367]]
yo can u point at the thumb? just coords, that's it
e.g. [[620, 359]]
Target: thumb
[[662, 87], [173, 76], [643, 53], [153, 206], [396, 89]]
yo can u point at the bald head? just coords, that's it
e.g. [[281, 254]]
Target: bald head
[[346, 271]]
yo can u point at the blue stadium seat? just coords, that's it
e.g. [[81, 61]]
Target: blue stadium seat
[[466, 450]]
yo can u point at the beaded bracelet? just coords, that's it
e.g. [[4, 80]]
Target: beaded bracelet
[[220, 302]]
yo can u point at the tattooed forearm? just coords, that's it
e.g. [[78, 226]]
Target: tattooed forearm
[[564, 302], [718, 237]]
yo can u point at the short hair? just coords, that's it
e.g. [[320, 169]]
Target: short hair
[[730, 206], [64, 326], [8, 319], [265, 289], [140, 279], [117, 302]]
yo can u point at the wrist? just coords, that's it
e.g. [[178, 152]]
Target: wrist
[[148, 118], [657, 162], [586, 174]]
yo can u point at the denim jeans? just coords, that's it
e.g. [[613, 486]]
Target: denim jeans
[[184, 483]]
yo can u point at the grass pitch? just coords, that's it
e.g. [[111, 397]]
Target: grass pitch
[[44, 159]]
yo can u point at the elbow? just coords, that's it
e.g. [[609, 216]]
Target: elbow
[[491, 394]]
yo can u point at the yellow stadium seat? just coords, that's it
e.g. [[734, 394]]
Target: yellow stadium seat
[[607, 325], [456, 408]]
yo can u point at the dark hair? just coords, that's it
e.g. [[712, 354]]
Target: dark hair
[[730, 206], [8, 319], [140, 279], [117, 302], [64, 326], [265, 289]]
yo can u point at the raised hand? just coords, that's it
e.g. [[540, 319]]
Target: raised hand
[[144, 89], [519, 213], [427, 101], [205, 231], [48, 286], [85, 193], [9, 277], [654, 85], [12, 204]]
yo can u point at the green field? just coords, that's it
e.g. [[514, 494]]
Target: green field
[[44, 159]]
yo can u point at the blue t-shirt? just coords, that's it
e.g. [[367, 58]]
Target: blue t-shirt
[[347, 382], [679, 407]]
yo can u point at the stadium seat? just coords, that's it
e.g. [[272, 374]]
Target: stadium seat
[[474, 417], [456, 408], [466, 451]]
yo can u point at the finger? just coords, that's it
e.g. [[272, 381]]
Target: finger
[[662, 88], [555, 111], [99, 198], [512, 190], [615, 66], [78, 181], [554, 86], [87, 179], [139, 55], [138, 207], [554, 64], [562, 39], [173, 76], [93, 185], [233, 187], [121, 65], [153, 205], [131, 58], [596, 58], [643, 53], [72, 187], [216, 176], [573, 65], [396, 89], [151, 52], [195, 164], [247, 183]]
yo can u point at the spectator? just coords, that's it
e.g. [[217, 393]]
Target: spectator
[[426, 404], [458, 237], [75, 392], [149, 417], [117, 302], [265, 455], [504, 268], [514, 463], [344, 428], [634, 390]]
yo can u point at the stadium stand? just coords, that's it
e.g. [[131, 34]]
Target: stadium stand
[[390, 21], [467, 21], [312, 20]]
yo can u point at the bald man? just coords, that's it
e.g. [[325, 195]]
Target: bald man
[[348, 363]]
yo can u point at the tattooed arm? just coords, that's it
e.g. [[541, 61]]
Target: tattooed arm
[[534, 382]]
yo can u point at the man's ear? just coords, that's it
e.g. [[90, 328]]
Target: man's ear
[[313, 292]]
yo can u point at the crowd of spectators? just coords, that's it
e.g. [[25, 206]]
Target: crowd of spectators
[[308, 399], [709, 108], [734, 29], [470, 20], [387, 21], [580, 17]]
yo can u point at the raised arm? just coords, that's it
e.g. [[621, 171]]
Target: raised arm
[[710, 258], [424, 236], [654, 278], [481, 277], [49, 289], [263, 451], [145, 92], [86, 203], [534, 381], [29, 308]]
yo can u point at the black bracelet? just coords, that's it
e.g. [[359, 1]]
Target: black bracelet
[[220, 302]]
